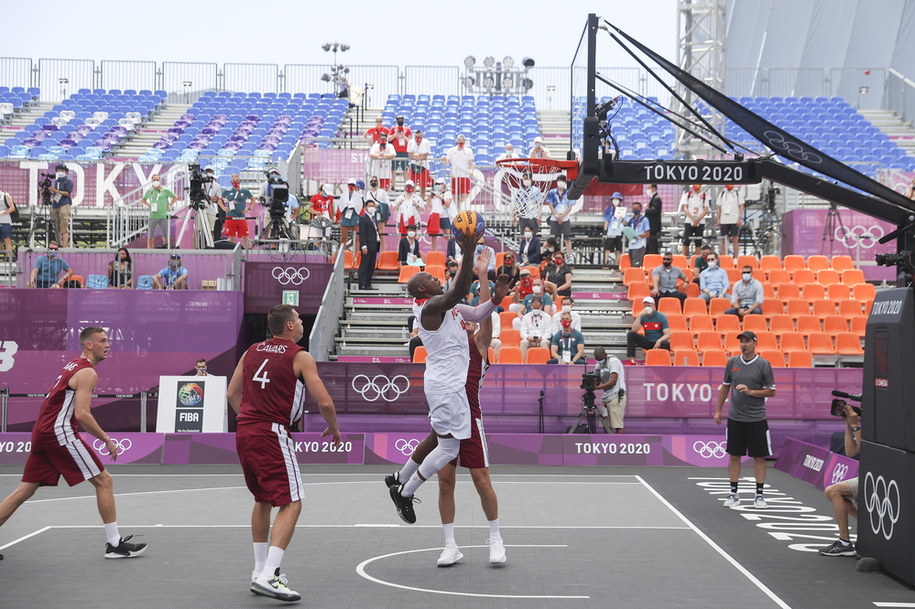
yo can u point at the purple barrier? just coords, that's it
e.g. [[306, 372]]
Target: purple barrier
[[265, 283], [133, 448], [181, 449], [815, 464], [803, 231]]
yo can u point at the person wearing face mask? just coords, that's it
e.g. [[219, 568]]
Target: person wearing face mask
[[62, 203], [418, 150], [237, 202], [408, 249], [442, 211], [373, 134], [529, 248], [7, 207], [159, 200], [557, 277], [729, 216], [491, 257], [568, 345], [713, 281], [370, 242], [382, 210], [47, 269], [350, 209], [172, 277], [213, 214], [381, 155], [614, 218], [120, 270], [408, 207], [637, 229], [653, 212], [201, 367], [509, 153], [654, 324], [318, 211], [694, 206], [538, 150], [451, 273], [399, 135], [460, 157], [567, 304], [613, 384], [535, 327], [527, 290], [746, 295], [509, 267], [560, 210], [527, 203], [667, 280]]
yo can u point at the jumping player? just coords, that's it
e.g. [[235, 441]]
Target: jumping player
[[440, 318], [59, 450], [267, 392]]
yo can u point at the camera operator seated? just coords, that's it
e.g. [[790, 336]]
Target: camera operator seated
[[535, 327], [844, 495], [172, 277], [568, 345], [47, 269], [613, 383]]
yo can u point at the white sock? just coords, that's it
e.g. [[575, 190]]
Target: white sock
[[274, 560], [410, 486], [111, 532], [448, 529], [407, 470], [494, 529], [260, 555]]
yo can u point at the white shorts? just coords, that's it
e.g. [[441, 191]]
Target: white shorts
[[449, 413]]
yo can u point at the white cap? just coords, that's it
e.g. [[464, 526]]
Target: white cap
[[351, 182], [439, 180], [326, 189], [409, 183], [538, 140], [648, 300]]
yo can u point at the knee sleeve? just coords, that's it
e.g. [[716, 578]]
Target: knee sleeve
[[446, 451]]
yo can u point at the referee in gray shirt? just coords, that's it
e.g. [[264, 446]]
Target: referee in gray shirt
[[747, 431]]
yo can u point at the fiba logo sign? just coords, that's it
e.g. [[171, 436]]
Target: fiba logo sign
[[190, 395]]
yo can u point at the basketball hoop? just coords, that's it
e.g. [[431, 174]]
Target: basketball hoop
[[527, 200], [541, 166]]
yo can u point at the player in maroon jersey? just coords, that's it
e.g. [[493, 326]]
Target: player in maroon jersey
[[267, 392], [58, 450]]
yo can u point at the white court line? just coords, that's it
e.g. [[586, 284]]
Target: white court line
[[360, 569], [763, 588], [344, 474], [165, 492], [33, 534], [878, 604]]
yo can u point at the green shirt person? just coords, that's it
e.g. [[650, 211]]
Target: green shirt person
[[159, 200]]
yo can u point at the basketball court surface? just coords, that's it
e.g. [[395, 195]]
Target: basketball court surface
[[575, 537]]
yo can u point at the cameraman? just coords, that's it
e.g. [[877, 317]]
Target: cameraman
[[211, 211], [613, 383], [844, 495], [61, 203], [266, 195]]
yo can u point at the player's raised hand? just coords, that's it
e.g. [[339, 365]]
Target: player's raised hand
[[503, 287], [481, 268], [335, 433]]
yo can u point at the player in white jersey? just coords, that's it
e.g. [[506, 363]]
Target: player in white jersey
[[440, 318]]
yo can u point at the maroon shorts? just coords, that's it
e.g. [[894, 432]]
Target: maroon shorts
[[48, 461], [236, 227], [267, 457], [460, 186], [474, 454]]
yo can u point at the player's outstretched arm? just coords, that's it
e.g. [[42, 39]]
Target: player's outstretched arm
[[84, 383], [437, 305], [236, 384], [306, 369]]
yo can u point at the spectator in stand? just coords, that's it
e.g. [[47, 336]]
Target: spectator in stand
[[62, 203], [439, 223], [526, 297], [374, 133], [560, 212], [701, 261], [509, 153], [558, 277], [350, 209], [451, 270], [641, 229], [654, 324], [473, 296], [614, 216], [729, 216], [491, 270], [318, 209], [408, 249], [549, 248], [381, 155], [200, 366], [667, 280], [415, 340], [418, 150], [47, 269], [529, 248], [236, 202], [7, 207], [120, 270], [713, 281], [535, 327], [399, 135], [379, 196], [454, 251], [172, 277], [408, 207], [460, 157], [567, 345], [653, 211], [567, 304], [539, 151], [509, 267], [527, 203], [371, 244], [746, 295], [159, 200], [694, 206], [522, 290]]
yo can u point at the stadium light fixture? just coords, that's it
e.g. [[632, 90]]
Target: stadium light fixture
[[489, 62], [469, 61], [508, 62], [527, 62]]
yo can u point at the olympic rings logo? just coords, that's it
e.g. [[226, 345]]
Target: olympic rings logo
[[860, 236], [290, 275], [839, 472], [406, 447], [709, 450], [380, 386], [102, 449], [883, 504], [790, 148]]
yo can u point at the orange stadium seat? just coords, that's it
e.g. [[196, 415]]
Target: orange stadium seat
[[827, 277], [792, 341], [701, 323], [650, 261], [510, 337], [802, 276], [798, 306], [692, 290], [387, 261], [625, 262], [491, 355], [835, 324], [800, 359], [773, 306], [768, 291], [848, 343], [726, 261], [657, 357], [407, 271], [822, 308], [708, 341], [751, 261], [679, 261], [766, 341], [669, 305], [637, 291], [633, 275], [716, 359], [778, 276], [793, 262], [535, 271], [781, 323], [820, 343], [852, 276], [500, 257], [348, 263], [717, 306], [817, 262], [864, 291], [538, 355], [510, 355], [808, 324], [727, 323], [677, 322], [733, 275], [755, 323], [850, 308], [770, 263], [841, 262], [506, 302], [681, 341], [788, 290], [838, 291], [694, 306], [775, 357], [419, 355], [858, 324], [731, 342], [437, 257], [506, 318], [813, 291], [686, 358], [867, 306], [436, 270]]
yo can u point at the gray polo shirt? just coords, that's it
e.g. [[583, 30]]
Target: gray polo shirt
[[745, 294], [668, 277], [755, 374]]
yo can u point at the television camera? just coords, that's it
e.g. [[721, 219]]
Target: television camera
[[197, 196]]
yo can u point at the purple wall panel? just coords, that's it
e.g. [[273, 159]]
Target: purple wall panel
[[265, 283]]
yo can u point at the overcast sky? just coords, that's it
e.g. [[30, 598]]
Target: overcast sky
[[380, 32]]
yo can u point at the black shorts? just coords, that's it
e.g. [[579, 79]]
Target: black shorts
[[693, 233], [613, 244], [729, 230], [563, 230], [751, 439]]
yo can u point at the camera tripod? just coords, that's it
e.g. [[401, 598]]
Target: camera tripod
[[589, 414], [203, 238], [833, 222], [276, 230]]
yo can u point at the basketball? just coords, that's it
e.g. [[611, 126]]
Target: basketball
[[469, 223]]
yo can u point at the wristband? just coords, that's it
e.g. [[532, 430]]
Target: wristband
[[856, 429]]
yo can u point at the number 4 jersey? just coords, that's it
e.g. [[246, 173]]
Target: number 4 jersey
[[271, 391]]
